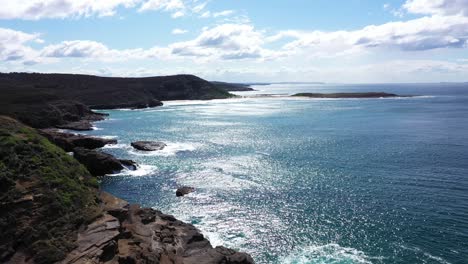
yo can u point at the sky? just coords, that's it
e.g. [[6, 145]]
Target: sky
[[336, 41]]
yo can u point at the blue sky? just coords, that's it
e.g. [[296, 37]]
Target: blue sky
[[296, 40]]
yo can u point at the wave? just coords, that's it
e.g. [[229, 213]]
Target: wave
[[329, 253], [142, 170], [170, 150], [408, 97], [116, 146], [108, 137]]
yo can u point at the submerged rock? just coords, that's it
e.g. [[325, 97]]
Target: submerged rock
[[184, 191], [98, 163], [148, 145], [69, 141]]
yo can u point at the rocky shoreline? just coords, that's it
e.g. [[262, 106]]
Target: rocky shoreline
[[126, 233], [111, 230], [51, 209]]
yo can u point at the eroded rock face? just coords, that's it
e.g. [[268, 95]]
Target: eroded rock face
[[130, 234], [148, 145], [98, 163], [184, 191], [69, 141]]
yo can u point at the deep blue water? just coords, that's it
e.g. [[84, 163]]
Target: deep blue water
[[309, 180]]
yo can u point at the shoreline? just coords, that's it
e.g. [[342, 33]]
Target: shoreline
[[112, 203], [112, 235]]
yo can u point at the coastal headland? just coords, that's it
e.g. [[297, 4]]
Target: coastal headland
[[51, 208]]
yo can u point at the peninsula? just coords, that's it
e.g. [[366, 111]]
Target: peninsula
[[51, 207]]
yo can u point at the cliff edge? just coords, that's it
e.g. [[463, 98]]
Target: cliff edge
[[46, 100], [51, 211]]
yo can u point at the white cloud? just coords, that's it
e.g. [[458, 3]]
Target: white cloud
[[37, 9], [437, 7], [86, 49], [223, 13], [77, 49], [293, 54], [178, 31], [395, 12], [199, 7], [14, 45], [168, 5], [227, 41], [206, 14], [178, 14], [421, 34], [178, 8]]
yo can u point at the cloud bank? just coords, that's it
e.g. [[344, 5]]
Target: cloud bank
[[439, 25]]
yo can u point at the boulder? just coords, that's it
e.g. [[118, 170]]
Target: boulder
[[69, 141], [98, 163], [130, 164], [184, 191], [148, 145]]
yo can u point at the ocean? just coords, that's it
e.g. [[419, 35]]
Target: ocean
[[299, 180]]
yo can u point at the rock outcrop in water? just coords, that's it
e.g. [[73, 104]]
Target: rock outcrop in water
[[346, 95], [52, 212], [69, 141], [130, 164], [148, 145], [97, 162], [184, 191]]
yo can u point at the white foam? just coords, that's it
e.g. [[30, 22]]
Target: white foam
[[171, 149], [408, 97], [329, 253], [116, 146], [142, 170], [108, 137], [262, 153]]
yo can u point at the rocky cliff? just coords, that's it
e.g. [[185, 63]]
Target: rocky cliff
[[45, 100], [51, 211]]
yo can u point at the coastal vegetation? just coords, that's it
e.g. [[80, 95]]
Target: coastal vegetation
[[51, 208], [45, 195]]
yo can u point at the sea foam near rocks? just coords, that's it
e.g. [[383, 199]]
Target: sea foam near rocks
[[142, 170], [171, 149]]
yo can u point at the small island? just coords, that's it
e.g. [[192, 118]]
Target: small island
[[347, 95]]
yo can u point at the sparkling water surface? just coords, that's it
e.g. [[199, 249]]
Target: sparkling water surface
[[298, 180]]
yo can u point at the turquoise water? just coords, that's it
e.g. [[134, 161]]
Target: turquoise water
[[309, 180]]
